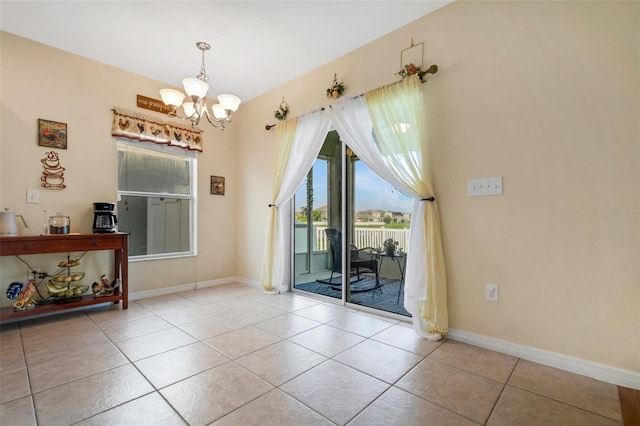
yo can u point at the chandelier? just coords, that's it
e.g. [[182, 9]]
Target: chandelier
[[196, 89]]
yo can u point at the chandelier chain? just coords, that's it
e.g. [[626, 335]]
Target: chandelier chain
[[203, 75]]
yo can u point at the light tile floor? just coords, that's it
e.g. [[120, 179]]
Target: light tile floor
[[231, 355]]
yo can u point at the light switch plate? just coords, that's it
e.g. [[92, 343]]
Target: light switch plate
[[33, 196], [484, 186]]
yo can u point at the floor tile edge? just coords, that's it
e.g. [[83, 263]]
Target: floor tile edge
[[606, 373]]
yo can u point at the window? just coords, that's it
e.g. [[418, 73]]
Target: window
[[156, 192]]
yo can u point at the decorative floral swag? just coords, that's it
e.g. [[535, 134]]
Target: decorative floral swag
[[136, 126]]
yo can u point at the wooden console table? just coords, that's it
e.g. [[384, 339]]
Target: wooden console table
[[118, 242]]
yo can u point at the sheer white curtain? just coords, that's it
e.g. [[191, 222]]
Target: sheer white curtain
[[353, 122], [310, 133], [397, 114]]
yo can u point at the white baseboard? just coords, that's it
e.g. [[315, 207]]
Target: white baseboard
[[137, 295], [219, 281], [247, 281], [614, 375], [145, 294]]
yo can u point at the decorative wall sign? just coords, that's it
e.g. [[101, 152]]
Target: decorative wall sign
[[143, 128], [52, 134], [152, 104], [217, 185], [53, 174]]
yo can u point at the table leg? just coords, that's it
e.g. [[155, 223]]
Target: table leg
[[401, 279], [378, 286], [125, 273]]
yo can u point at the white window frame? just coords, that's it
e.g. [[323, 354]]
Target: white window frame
[[193, 197]]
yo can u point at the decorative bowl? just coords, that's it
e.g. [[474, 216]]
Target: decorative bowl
[[68, 278], [66, 290]]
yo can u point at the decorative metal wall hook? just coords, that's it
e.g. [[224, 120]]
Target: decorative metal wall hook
[[280, 114], [413, 60], [282, 111], [337, 88], [413, 64]]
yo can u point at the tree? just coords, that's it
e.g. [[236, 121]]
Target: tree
[[309, 207], [303, 216]]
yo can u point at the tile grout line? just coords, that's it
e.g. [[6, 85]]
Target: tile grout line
[[541, 395], [274, 387], [323, 362], [365, 338], [155, 390], [26, 367], [81, 378], [129, 362], [155, 314], [370, 338], [504, 386], [229, 360], [424, 399], [278, 387], [564, 402], [392, 385]]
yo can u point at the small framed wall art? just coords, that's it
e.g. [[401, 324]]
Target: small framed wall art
[[217, 185], [52, 134]]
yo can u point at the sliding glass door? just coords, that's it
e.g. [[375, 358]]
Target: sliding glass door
[[343, 216], [317, 217], [380, 217]]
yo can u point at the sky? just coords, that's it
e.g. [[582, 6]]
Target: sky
[[371, 191]]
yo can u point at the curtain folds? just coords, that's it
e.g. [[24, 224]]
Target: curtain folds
[[397, 115], [385, 130], [143, 128], [298, 146], [353, 123], [284, 137]]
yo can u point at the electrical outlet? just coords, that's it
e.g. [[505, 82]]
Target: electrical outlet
[[491, 292], [239, 252]]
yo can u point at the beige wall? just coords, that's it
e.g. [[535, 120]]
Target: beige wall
[[545, 94], [40, 82]]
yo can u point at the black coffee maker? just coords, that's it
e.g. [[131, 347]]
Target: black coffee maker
[[104, 218]]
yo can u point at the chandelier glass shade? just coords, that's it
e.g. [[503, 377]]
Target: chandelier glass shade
[[196, 91]]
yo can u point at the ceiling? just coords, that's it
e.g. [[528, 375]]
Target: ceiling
[[256, 45]]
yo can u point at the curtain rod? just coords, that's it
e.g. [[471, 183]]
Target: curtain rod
[[270, 126], [431, 70]]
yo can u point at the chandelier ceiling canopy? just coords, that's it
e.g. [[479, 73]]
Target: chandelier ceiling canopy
[[196, 90]]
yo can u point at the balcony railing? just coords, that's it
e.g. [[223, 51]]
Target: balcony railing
[[367, 237], [364, 237]]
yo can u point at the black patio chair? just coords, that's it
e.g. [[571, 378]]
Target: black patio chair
[[362, 260]]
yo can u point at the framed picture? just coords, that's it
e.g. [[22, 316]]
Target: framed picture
[[217, 185], [52, 134]]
